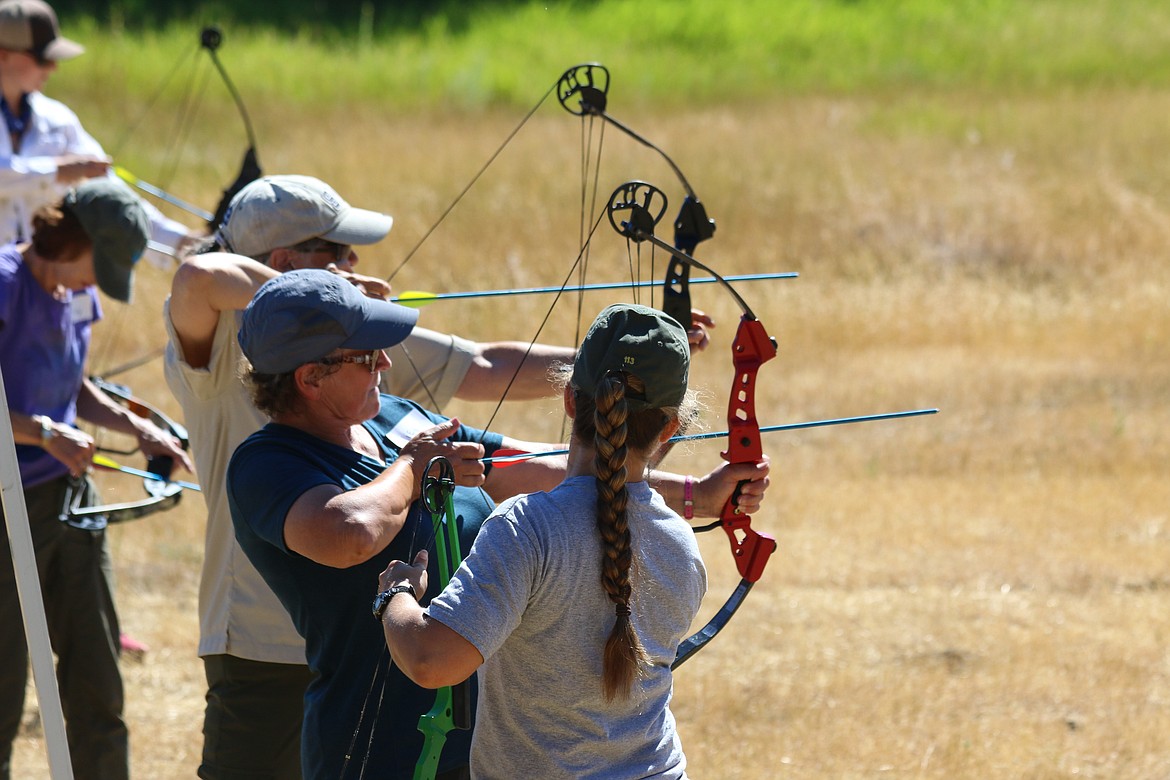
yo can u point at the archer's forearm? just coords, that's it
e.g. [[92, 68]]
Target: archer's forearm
[[97, 408], [496, 363]]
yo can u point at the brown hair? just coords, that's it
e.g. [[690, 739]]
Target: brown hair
[[605, 420], [275, 394], [58, 236]]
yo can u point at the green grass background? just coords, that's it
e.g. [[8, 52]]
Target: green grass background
[[668, 52]]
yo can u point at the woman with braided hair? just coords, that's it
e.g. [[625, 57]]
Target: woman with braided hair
[[572, 603]]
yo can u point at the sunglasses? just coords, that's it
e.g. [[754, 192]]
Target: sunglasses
[[340, 252], [372, 358]]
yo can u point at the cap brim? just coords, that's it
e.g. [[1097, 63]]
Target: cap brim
[[112, 279], [385, 325], [61, 49], [360, 227]]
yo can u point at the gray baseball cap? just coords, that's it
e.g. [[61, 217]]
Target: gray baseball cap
[[637, 340], [117, 225], [303, 315], [281, 211], [30, 26]]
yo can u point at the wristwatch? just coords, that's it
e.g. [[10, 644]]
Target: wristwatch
[[46, 424], [383, 598]]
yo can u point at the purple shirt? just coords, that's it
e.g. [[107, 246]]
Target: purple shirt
[[43, 347]]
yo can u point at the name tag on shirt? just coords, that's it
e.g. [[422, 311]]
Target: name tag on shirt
[[407, 427], [81, 307]]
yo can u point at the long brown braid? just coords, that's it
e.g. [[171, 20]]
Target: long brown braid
[[605, 419]]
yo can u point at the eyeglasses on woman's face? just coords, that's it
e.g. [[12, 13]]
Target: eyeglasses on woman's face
[[371, 358]]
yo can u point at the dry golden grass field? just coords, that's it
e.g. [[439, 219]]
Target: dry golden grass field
[[982, 593]]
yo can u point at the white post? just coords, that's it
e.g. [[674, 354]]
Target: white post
[[32, 605]]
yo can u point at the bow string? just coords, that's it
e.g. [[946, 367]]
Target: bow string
[[210, 40], [589, 83], [164, 493]]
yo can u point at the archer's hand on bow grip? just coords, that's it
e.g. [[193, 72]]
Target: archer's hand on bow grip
[[154, 442], [743, 485]]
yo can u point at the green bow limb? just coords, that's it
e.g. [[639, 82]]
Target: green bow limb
[[452, 708]]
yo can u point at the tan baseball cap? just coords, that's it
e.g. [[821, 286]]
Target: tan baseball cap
[[30, 26]]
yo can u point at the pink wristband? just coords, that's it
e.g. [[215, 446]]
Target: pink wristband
[[688, 497]]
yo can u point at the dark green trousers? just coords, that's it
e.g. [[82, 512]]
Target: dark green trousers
[[75, 574], [252, 724]]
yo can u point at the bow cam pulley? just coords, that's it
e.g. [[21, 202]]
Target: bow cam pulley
[[642, 203], [590, 82]]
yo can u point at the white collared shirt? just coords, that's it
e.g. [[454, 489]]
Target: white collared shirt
[[28, 178]]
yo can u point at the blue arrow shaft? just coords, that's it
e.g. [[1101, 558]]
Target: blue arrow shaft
[[588, 287], [151, 475], [764, 429]]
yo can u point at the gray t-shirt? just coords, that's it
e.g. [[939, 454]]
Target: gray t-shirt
[[529, 597]]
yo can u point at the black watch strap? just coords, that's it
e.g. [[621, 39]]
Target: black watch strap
[[383, 598]]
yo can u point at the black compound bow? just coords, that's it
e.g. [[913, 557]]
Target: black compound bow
[[161, 493]]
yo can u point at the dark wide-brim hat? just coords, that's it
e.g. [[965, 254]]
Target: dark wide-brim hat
[[302, 316], [30, 26], [117, 225], [637, 340]]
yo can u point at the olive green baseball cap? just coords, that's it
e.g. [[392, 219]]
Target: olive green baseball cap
[[638, 340], [117, 225]]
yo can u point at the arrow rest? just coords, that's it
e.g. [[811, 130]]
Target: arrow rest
[[580, 80]]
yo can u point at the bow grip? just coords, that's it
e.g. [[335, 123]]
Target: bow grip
[[752, 348]]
